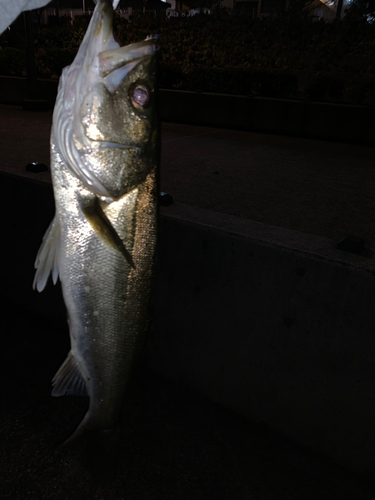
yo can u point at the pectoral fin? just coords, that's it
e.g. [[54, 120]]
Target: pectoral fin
[[47, 260], [104, 229]]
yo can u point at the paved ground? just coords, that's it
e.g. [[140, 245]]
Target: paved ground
[[176, 444], [312, 186]]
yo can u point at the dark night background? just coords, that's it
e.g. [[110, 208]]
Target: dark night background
[[176, 443], [288, 51]]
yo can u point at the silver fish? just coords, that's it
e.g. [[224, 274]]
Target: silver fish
[[101, 242]]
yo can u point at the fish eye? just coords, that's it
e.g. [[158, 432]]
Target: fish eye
[[140, 96]]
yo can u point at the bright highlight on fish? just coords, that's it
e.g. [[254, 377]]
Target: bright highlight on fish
[[101, 242]]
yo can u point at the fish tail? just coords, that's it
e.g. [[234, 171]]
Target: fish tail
[[103, 450], [77, 434]]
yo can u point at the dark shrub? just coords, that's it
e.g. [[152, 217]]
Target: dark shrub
[[12, 62], [50, 62]]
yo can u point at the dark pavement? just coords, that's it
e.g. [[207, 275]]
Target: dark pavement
[[176, 444]]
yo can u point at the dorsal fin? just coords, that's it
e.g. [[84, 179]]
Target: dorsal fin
[[69, 380]]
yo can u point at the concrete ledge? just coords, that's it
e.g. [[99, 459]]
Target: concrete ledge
[[279, 116], [277, 324]]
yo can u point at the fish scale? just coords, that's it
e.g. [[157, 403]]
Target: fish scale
[[104, 165]]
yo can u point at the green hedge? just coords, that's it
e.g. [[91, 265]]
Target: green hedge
[[319, 86], [12, 62], [50, 62], [285, 56], [249, 82]]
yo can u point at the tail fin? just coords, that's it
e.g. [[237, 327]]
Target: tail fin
[[102, 451], [103, 454]]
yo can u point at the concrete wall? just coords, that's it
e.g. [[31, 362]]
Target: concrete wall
[[279, 116], [277, 324], [14, 89], [274, 323]]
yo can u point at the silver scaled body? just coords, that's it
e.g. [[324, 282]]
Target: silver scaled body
[[101, 243]]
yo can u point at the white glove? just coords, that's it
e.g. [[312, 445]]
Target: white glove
[[11, 9]]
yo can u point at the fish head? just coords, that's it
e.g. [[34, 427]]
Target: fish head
[[105, 122]]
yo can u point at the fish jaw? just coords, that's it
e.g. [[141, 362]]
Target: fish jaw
[[92, 86]]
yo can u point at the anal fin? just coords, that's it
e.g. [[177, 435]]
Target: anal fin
[[69, 380], [47, 260]]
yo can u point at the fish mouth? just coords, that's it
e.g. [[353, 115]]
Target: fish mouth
[[115, 64], [110, 60]]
